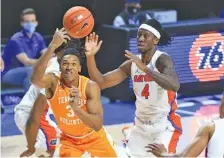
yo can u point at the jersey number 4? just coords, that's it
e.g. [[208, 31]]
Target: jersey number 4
[[145, 91]]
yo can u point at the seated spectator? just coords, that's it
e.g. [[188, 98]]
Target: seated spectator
[[22, 51], [131, 15]]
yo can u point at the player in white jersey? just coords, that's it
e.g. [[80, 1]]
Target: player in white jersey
[[210, 135], [45, 138], [155, 83]]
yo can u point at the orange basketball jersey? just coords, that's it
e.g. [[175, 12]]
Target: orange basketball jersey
[[68, 121]]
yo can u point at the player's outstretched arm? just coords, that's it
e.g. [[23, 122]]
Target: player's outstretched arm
[[32, 125], [193, 150], [37, 77], [94, 115], [109, 79]]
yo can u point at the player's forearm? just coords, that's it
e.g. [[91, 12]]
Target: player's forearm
[[41, 65], [165, 81], [31, 132], [94, 121], [93, 71]]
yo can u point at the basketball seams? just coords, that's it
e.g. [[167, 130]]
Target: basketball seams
[[80, 22], [71, 14], [86, 30]]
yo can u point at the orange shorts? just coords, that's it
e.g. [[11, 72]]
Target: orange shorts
[[97, 144]]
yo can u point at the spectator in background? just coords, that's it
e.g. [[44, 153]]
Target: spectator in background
[[131, 15], [22, 51]]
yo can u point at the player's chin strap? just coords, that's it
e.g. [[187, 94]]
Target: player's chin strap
[[151, 29]]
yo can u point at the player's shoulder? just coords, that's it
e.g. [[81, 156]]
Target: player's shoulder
[[164, 59], [163, 55], [92, 87]]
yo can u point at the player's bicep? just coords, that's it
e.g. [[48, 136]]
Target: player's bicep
[[166, 66], [116, 76], [199, 143], [94, 105]]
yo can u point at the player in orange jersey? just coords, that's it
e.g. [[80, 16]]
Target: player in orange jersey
[[75, 102]]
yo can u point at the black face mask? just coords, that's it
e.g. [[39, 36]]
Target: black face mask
[[133, 10]]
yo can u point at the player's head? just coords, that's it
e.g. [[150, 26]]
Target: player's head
[[70, 64], [28, 20], [73, 43], [132, 6], [151, 34]]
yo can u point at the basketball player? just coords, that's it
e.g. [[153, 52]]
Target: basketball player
[[155, 84], [210, 135], [41, 134], [75, 102]]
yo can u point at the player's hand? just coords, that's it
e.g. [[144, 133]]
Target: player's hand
[[2, 64], [60, 36], [74, 99], [92, 44], [136, 60], [28, 153], [157, 149]]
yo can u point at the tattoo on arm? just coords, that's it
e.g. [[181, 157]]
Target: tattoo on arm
[[167, 78]]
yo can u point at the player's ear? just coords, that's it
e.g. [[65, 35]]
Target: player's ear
[[156, 41], [80, 68]]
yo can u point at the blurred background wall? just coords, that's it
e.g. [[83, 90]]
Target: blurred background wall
[[50, 12]]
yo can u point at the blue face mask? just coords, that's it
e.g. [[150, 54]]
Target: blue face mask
[[29, 27]]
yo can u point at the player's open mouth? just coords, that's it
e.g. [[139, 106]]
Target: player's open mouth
[[140, 45], [68, 72]]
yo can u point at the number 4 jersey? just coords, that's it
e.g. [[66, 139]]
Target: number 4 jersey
[[152, 101]]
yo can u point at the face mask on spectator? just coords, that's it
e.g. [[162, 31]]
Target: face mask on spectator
[[133, 10], [29, 27]]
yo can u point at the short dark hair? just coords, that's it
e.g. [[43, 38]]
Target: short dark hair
[[165, 38], [73, 51], [27, 11], [78, 44]]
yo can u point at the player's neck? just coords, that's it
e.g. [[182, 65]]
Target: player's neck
[[72, 83], [147, 56]]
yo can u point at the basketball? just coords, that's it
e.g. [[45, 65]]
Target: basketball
[[78, 22]]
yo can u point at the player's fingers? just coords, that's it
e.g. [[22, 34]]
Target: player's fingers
[[56, 30], [155, 146], [128, 52], [90, 37], [96, 39], [62, 29], [129, 56], [67, 37], [87, 39], [100, 43], [94, 36]]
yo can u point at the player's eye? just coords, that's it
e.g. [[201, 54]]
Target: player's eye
[[146, 35]]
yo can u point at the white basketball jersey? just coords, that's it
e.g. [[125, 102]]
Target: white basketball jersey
[[29, 98], [215, 146], [152, 101]]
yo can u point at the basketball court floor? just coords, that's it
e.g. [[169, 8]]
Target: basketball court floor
[[195, 111]]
